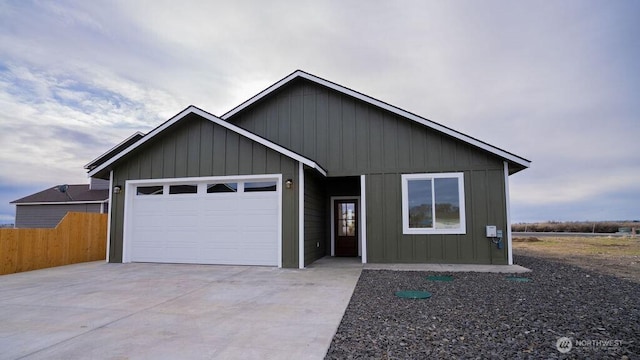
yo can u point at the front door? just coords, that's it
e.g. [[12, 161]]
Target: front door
[[346, 227]]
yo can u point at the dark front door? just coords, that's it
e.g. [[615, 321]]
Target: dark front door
[[346, 227]]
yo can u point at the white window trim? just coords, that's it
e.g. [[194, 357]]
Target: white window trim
[[363, 218], [405, 204]]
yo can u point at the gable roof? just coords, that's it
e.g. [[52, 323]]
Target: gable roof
[[114, 150], [520, 162], [74, 194], [208, 116]]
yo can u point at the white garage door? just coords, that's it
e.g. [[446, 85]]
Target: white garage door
[[222, 221]]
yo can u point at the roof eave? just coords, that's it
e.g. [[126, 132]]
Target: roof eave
[[195, 110], [381, 104], [89, 165]]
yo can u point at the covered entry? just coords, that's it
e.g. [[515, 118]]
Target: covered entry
[[221, 220]]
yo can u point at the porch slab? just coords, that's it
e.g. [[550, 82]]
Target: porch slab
[[449, 268]]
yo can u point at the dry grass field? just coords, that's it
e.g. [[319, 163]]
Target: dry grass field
[[618, 256]]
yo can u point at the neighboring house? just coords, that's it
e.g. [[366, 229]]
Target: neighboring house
[[307, 168], [46, 208]]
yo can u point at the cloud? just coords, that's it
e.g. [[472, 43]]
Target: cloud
[[553, 82]]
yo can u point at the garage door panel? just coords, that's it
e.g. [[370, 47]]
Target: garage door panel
[[217, 203], [209, 228], [259, 220], [217, 221], [181, 221]]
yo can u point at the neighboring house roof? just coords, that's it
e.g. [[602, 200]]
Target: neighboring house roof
[[520, 162], [208, 116], [114, 150], [73, 194]]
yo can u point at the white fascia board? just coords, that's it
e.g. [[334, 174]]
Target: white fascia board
[[138, 133], [65, 202], [216, 120], [381, 104]]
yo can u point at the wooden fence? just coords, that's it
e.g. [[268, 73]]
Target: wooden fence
[[79, 237]]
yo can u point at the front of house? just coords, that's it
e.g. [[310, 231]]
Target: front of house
[[305, 169]]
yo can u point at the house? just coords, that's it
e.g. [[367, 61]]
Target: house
[[305, 169], [46, 208]]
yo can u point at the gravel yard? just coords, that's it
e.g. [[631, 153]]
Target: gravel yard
[[484, 315]]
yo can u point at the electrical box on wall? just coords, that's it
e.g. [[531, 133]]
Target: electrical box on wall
[[491, 231]]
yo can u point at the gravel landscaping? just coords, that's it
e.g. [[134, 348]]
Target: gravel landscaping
[[484, 315]]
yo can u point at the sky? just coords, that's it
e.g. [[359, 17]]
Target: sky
[[556, 82]]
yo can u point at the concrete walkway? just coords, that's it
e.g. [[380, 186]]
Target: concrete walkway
[[166, 311]]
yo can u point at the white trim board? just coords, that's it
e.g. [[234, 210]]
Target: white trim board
[[138, 133], [363, 217], [300, 215], [109, 216], [194, 110], [441, 128], [508, 209], [333, 225], [63, 202]]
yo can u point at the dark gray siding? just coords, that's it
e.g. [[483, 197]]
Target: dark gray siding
[[315, 218], [198, 147], [98, 184], [48, 216], [349, 137]]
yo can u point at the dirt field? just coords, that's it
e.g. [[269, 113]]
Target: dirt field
[[608, 255]]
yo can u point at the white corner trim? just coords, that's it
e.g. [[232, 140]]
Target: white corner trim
[[508, 209], [455, 134], [363, 218], [280, 188], [300, 215], [194, 110], [109, 214]]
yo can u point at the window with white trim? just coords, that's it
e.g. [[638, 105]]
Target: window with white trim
[[433, 203]]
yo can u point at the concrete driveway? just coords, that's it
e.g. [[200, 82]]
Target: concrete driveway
[[166, 311]]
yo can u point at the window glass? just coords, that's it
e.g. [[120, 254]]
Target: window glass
[[260, 186], [222, 188], [433, 203], [149, 190], [447, 203], [347, 219], [420, 204], [183, 189]]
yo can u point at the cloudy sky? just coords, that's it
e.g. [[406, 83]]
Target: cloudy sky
[[556, 82]]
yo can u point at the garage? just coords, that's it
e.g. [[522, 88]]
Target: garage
[[218, 220]]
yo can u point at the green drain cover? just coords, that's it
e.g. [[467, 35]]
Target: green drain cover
[[413, 294], [518, 279], [440, 278]]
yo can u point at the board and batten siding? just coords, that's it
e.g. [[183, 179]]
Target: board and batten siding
[[349, 137], [48, 216], [196, 147], [315, 218]]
